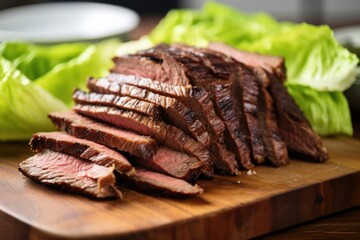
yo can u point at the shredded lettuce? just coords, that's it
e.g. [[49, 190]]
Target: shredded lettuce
[[317, 65], [36, 80]]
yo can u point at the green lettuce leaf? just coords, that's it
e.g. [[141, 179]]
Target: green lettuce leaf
[[134, 46], [313, 57], [34, 60], [65, 77], [328, 112], [36, 80], [23, 105], [215, 22]]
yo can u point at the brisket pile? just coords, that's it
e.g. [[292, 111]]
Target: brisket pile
[[169, 115]]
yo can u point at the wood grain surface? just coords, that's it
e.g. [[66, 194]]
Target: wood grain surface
[[231, 208]]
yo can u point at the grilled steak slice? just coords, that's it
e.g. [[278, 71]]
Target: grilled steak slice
[[194, 98], [295, 128], [226, 164], [219, 91], [88, 150], [275, 146], [175, 72], [173, 163], [176, 112], [245, 92], [272, 64], [157, 183], [140, 66], [235, 136], [123, 102], [197, 99], [151, 84], [246, 86], [82, 127], [71, 174], [163, 133]]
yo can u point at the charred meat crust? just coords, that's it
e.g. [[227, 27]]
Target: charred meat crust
[[175, 112], [163, 133], [295, 129]]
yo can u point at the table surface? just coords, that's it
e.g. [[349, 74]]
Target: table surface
[[342, 225]]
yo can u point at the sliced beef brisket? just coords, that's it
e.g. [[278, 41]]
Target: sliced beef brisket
[[71, 174], [151, 84], [141, 124], [236, 137], [219, 91], [140, 66], [157, 183], [123, 102], [85, 149], [173, 163], [82, 127], [175, 72], [176, 112], [244, 93], [272, 64], [295, 128], [195, 98], [276, 148], [260, 64], [246, 87]]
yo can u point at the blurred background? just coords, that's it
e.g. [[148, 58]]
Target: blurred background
[[332, 12]]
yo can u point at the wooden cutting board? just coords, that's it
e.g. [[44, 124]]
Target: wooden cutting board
[[231, 208]]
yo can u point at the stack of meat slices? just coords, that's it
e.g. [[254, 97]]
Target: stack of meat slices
[[168, 115]]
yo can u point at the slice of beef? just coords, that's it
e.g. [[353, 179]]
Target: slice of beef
[[272, 64], [176, 112], [246, 88], [220, 64], [173, 163], [140, 66], [219, 91], [252, 90], [235, 135], [123, 102], [276, 148], [195, 98], [71, 174], [141, 124], [294, 127], [82, 127], [225, 162], [174, 71], [88, 150], [244, 92], [157, 183]]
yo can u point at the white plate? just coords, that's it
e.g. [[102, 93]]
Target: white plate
[[348, 35], [64, 22]]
